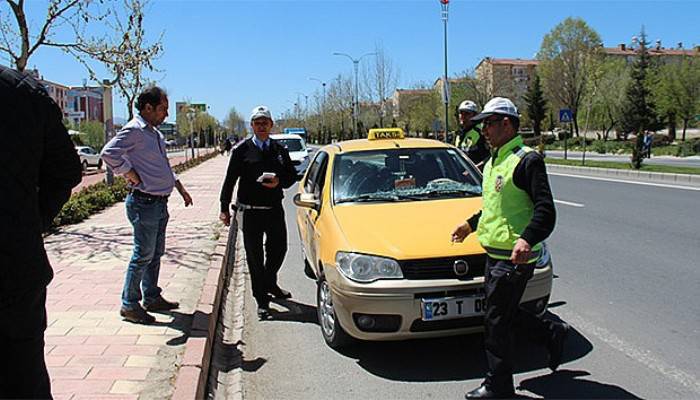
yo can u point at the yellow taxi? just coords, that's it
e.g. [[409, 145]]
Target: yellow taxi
[[375, 217]]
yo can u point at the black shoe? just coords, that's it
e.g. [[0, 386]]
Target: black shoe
[[160, 304], [137, 316], [263, 312], [484, 392], [279, 293], [556, 345]]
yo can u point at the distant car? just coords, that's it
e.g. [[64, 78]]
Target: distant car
[[88, 157], [298, 152], [374, 217], [171, 142]]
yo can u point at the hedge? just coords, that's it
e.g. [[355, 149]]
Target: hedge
[[99, 196]]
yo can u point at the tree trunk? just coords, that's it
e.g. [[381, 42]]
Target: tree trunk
[[685, 126], [575, 123], [672, 126]]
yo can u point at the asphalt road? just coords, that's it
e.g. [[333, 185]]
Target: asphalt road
[[692, 161], [626, 259]]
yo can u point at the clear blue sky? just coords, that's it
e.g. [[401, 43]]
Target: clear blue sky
[[245, 53]]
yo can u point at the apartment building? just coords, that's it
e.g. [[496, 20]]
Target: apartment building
[[507, 77]]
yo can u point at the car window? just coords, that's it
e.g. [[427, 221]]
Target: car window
[[292, 144], [314, 170], [404, 175]]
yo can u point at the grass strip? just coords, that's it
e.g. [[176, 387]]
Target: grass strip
[[669, 169]]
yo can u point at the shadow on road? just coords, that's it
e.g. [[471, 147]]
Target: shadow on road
[[564, 384], [452, 358], [296, 312]]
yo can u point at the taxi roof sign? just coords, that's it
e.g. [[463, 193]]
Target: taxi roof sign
[[385, 133]]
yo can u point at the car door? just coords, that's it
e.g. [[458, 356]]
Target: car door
[[308, 216]]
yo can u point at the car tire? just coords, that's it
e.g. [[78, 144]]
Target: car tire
[[85, 165], [308, 271], [334, 334]]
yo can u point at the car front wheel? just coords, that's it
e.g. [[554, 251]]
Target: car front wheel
[[333, 333], [85, 165]]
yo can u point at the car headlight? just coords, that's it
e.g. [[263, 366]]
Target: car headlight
[[545, 257], [364, 268]]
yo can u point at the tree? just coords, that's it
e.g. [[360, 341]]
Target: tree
[[606, 105], [676, 90], [92, 133], [568, 57], [233, 122], [380, 80], [536, 105], [127, 60], [19, 41], [639, 112], [419, 109]]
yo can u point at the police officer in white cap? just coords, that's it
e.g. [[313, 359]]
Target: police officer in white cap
[[469, 137], [518, 214], [263, 168]]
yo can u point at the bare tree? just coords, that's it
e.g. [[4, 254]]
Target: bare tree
[[380, 80], [129, 58], [234, 122], [19, 41]]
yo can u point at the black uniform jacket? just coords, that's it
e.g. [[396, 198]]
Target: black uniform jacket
[[248, 162], [38, 168]]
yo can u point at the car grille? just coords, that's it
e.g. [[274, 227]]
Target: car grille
[[442, 268]]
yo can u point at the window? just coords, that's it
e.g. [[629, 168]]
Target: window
[[316, 169]]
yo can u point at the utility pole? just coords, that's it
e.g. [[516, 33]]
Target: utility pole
[[323, 107], [446, 97], [356, 108]]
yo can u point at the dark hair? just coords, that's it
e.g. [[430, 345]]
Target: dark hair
[[152, 95]]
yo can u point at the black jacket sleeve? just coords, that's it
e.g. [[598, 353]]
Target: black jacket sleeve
[[530, 175], [60, 169], [289, 176], [233, 172]]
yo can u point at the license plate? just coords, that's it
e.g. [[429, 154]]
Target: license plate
[[452, 307]]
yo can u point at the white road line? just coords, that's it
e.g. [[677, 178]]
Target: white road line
[[595, 178], [642, 356], [568, 203]]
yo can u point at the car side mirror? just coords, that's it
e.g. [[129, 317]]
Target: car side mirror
[[307, 200]]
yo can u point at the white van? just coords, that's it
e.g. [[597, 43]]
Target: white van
[[296, 146]]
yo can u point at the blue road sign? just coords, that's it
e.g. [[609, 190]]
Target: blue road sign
[[565, 115]]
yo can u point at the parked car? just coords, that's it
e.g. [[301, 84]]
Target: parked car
[[89, 157], [298, 152], [374, 217]]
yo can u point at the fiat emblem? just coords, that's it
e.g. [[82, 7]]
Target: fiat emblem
[[460, 267]]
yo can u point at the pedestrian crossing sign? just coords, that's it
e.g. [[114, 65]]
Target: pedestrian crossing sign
[[565, 115]]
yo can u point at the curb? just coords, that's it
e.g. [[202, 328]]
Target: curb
[[191, 379], [661, 177]]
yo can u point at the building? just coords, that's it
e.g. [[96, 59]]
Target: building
[[657, 52], [507, 77], [57, 91], [404, 95], [85, 103]]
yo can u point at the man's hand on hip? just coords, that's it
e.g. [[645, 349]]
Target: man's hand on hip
[[522, 252], [225, 217], [132, 177]]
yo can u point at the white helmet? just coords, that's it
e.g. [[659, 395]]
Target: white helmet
[[468, 105]]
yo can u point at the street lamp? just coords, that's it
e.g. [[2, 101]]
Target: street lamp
[[323, 106], [445, 96], [190, 116], [355, 109]]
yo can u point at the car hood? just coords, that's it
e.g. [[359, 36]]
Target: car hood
[[297, 155], [407, 230]]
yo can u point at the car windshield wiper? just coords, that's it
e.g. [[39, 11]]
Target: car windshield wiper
[[368, 197], [440, 192]]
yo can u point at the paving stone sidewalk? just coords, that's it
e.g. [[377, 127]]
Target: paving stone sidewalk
[[90, 351]]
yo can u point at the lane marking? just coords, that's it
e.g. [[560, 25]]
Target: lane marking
[[645, 357], [568, 203], [595, 178]]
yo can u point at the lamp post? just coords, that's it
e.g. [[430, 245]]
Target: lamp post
[[190, 116], [445, 96], [355, 109], [323, 107]]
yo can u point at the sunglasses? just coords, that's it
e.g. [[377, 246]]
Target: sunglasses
[[488, 122]]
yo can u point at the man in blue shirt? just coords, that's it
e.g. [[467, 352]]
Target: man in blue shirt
[[138, 153]]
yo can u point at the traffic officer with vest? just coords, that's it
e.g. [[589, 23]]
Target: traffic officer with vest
[[264, 169], [518, 214], [469, 137]]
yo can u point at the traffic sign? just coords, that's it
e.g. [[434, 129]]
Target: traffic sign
[[697, 117], [565, 115]]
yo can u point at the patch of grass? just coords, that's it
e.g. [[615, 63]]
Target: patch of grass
[[669, 169]]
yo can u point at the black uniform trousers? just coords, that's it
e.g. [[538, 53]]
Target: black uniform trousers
[[22, 326], [505, 285], [264, 268]]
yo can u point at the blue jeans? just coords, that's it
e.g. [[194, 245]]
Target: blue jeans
[[149, 217]]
